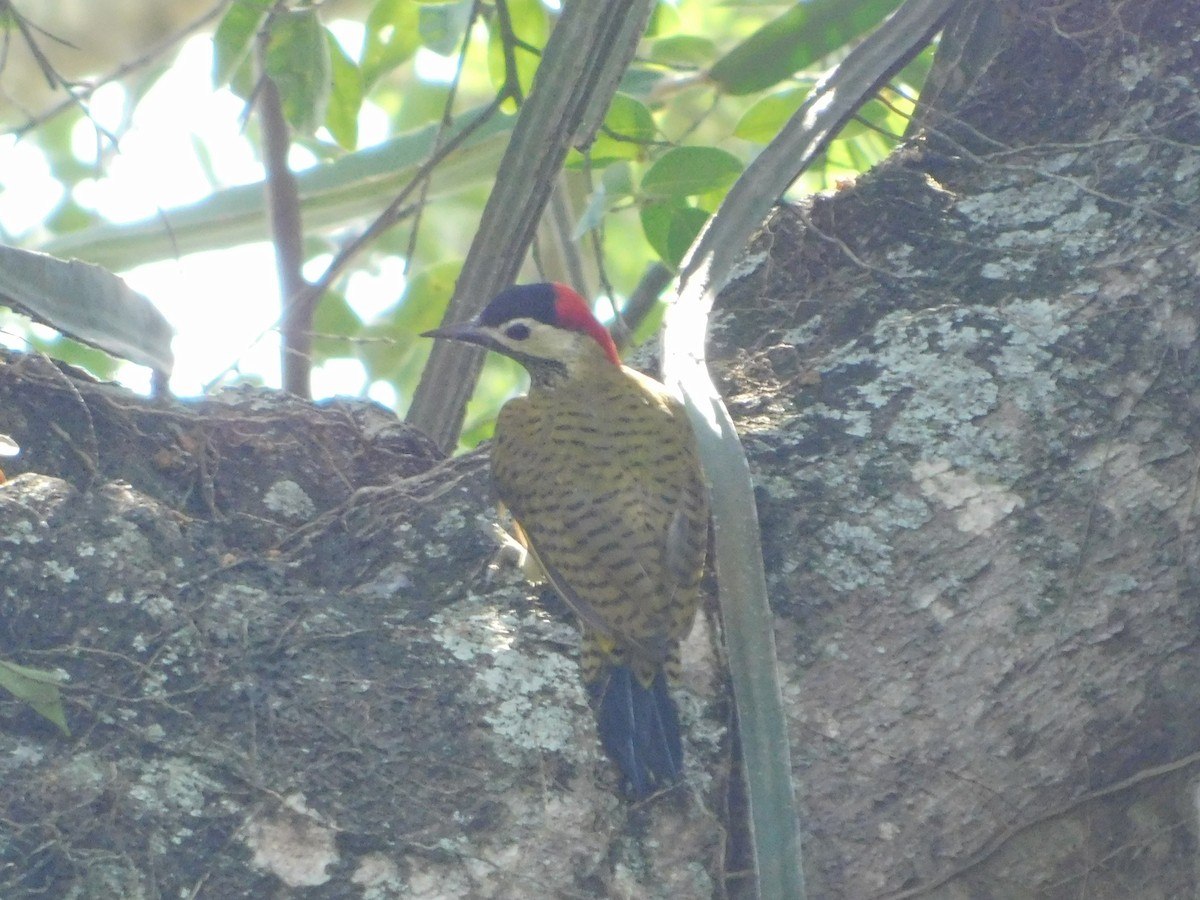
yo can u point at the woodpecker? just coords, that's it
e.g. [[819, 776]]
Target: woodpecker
[[599, 468]]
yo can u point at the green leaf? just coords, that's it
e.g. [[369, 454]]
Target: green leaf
[[397, 354], [38, 688], [423, 102], [915, 73], [88, 303], [443, 24], [393, 36], [683, 50], [345, 96], [234, 38], [426, 296], [800, 37], [664, 20], [762, 121], [671, 228], [687, 171], [334, 322], [594, 214], [888, 120], [615, 183], [531, 27], [628, 127], [95, 362], [69, 217], [298, 62]]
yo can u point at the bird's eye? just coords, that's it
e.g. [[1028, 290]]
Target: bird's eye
[[517, 332]]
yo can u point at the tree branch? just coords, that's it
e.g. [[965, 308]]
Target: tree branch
[[287, 235]]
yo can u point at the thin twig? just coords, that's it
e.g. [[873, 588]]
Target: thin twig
[[83, 92], [398, 209], [446, 122], [510, 42]]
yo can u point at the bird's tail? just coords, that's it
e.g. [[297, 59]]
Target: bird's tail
[[639, 726]]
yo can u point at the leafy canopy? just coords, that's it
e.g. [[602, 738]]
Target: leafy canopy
[[710, 85]]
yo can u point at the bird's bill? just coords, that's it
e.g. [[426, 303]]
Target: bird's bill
[[463, 331]]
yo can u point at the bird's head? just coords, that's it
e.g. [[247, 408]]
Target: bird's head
[[548, 328]]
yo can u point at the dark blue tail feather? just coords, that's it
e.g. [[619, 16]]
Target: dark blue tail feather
[[639, 729]]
